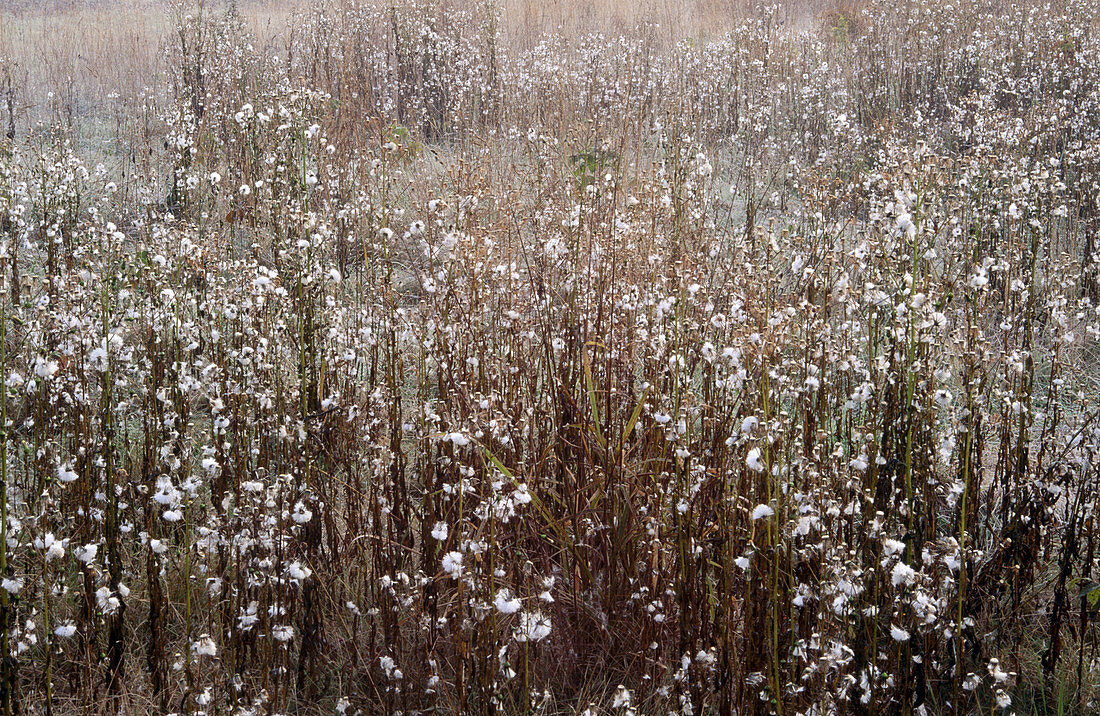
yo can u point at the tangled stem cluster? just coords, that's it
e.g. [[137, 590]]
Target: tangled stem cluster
[[400, 368]]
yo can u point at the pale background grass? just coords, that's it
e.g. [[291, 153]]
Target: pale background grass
[[89, 59]]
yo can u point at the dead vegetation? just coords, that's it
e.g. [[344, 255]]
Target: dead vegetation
[[439, 357]]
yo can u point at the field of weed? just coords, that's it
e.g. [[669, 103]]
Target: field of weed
[[498, 357]]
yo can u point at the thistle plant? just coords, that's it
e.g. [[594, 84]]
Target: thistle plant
[[418, 357]]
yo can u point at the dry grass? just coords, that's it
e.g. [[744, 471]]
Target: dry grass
[[83, 63], [507, 357]]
